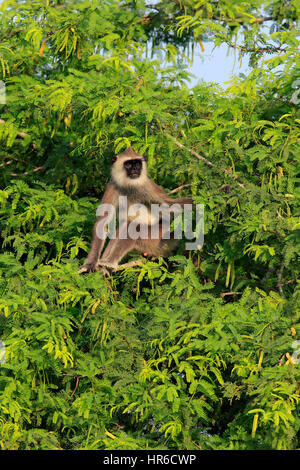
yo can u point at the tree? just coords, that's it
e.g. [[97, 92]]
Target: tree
[[178, 353]]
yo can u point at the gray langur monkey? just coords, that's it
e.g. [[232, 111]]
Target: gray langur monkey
[[129, 178]]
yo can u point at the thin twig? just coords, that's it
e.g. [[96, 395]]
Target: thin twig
[[6, 163], [110, 288], [180, 187], [242, 20], [261, 50], [193, 152], [230, 293], [268, 273], [207, 162], [279, 283], [76, 386], [281, 360], [9, 162], [37, 168], [200, 157], [199, 447]]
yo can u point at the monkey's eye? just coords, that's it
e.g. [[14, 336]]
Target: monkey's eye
[[114, 159]]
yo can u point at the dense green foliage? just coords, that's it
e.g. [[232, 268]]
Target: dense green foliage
[[181, 353]]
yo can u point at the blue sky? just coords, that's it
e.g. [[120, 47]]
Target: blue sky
[[217, 65]]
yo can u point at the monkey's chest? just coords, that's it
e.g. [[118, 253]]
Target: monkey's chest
[[142, 214]]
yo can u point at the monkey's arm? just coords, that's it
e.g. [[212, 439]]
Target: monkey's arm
[[162, 196], [91, 263]]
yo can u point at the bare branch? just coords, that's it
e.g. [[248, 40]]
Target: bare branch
[[12, 159], [37, 168], [268, 273], [76, 386], [261, 50], [243, 20], [230, 293], [279, 283], [197, 155], [193, 152], [6, 163], [180, 187]]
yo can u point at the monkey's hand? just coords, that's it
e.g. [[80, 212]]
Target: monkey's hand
[[89, 267]]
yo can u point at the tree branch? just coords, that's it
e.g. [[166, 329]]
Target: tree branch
[[242, 20], [229, 293], [279, 283], [197, 155], [193, 152], [12, 159], [261, 50], [268, 273], [180, 187]]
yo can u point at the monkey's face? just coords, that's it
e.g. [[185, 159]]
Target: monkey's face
[[133, 168], [129, 169]]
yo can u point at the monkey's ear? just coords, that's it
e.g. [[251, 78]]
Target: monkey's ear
[[114, 159], [130, 150]]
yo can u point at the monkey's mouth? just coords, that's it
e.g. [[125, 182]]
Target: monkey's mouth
[[134, 175]]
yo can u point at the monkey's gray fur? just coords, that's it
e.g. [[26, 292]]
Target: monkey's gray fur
[[129, 178]]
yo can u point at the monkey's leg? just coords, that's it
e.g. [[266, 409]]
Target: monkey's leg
[[158, 243], [91, 263], [115, 251]]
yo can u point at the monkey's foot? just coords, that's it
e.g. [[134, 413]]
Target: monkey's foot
[[105, 272], [88, 268], [106, 264], [103, 267]]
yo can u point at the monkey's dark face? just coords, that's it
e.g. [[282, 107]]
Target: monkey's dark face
[[129, 169], [133, 168]]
